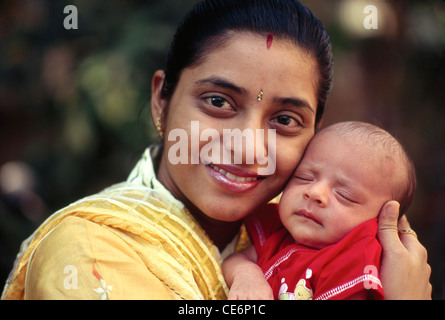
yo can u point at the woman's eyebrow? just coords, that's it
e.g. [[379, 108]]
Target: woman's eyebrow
[[221, 82], [297, 102]]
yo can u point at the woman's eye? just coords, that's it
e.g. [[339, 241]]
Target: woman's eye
[[287, 121], [218, 102]]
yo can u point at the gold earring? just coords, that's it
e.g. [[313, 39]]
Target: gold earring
[[260, 95], [159, 127]]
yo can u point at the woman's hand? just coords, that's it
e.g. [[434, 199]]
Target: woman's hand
[[404, 272]]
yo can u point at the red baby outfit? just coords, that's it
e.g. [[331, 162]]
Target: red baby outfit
[[295, 271]]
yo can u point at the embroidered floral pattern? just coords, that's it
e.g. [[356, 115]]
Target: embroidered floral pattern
[[103, 290]]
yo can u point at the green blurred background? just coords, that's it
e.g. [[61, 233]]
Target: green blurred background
[[74, 114]]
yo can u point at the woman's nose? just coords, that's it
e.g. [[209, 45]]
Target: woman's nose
[[248, 141]]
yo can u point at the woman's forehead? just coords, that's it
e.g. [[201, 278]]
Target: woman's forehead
[[247, 62]]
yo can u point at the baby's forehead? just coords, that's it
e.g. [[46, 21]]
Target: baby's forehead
[[362, 135], [378, 147]]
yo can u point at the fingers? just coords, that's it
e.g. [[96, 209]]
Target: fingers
[[403, 223], [387, 231], [256, 296], [388, 217], [232, 296], [403, 258], [393, 241], [410, 241], [418, 255]]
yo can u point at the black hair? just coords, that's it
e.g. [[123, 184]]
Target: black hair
[[206, 25]]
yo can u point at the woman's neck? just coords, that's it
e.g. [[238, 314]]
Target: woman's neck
[[220, 232]]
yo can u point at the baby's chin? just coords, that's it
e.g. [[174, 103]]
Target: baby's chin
[[313, 243], [316, 239], [312, 235]]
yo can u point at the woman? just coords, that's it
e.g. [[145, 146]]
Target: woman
[[253, 66]]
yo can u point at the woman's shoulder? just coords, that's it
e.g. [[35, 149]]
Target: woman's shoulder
[[74, 232], [81, 259]]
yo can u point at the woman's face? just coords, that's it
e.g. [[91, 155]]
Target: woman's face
[[245, 84]]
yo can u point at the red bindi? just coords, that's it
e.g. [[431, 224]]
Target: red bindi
[[269, 40]]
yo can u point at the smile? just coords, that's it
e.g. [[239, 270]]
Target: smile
[[232, 176], [236, 180]]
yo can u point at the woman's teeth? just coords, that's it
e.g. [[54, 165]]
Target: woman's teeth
[[231, 176]]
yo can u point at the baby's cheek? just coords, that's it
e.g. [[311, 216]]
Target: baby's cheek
[[339, 228]]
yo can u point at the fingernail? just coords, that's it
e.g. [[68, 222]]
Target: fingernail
[[392, 210]]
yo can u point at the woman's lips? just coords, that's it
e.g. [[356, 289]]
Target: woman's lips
[[234, 173], [233, 179]]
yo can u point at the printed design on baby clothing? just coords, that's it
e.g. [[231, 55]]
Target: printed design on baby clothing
[[302, 289]]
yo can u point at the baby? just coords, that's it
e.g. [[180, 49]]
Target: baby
[[320, 242]]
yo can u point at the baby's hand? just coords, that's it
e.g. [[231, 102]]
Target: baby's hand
[[250, 288], [245, 278]]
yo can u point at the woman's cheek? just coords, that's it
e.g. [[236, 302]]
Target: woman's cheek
[[287, 161]]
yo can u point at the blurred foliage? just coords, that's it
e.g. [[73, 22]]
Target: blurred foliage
[[74, 111]]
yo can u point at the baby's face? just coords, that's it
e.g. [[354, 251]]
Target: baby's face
[[338, 185]]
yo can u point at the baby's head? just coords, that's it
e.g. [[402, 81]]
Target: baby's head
[[348, 172]]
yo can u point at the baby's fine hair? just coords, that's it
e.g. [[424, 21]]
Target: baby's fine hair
[[380, 139]]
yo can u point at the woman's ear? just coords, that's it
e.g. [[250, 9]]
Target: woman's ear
[[158, 102]]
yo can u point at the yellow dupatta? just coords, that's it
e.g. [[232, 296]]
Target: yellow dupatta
[[167, 239]]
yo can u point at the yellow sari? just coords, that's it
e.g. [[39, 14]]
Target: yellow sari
[[133, 240]]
